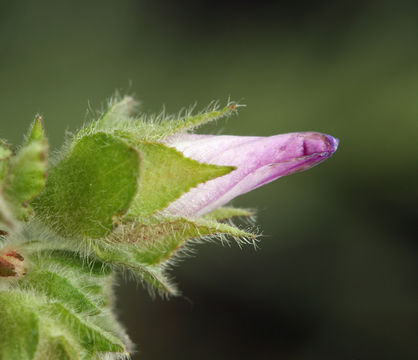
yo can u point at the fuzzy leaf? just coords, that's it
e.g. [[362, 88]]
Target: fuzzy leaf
[[37, 132], [117, 113], [144, 246], [26, 177], [59, 288], [71, 294], [91, 337], [90, 188], [123, 257], [118, 117], [153, 242], [226, 213], [19, 327], [91, 277], [190, 122], [70, 259], [165, 175], [157, 281]]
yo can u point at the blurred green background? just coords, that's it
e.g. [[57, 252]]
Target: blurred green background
[[336, 273]]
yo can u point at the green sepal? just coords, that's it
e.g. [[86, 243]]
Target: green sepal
[[118, 117], [157, 240], [115, 117], [165, 175], [146, 246], [87, 279], [19, 327], [123, 257], [88, 335], [37, 132], [58, 287], [190, 122], [226, 213], [88, 266], [88, 190], [27, 172], [117, 114], [156, 281], [82, 285]]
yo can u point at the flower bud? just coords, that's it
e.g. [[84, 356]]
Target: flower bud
[[259, 160]]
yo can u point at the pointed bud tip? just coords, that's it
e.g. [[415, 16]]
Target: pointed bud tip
[[334, 142], [37, 131], [317, 143]]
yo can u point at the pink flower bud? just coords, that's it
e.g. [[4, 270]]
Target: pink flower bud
[[259, 160]]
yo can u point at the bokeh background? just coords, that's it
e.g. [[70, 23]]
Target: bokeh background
[[336, 272]]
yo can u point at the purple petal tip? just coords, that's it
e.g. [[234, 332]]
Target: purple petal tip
[[334, 143], [317, 143]]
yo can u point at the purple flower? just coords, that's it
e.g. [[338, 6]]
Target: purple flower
[[259, 160]]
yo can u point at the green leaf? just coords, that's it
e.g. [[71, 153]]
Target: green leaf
[[123, 257], [59, 288], [90, 337], [117, 114], [144, 246], [165, 175], [118, 117], [37, 132], [158, 128], [155, 241], [70, 295], [19, 327], [87, 266], [26, 177], [91, 277], [190, 122], [156, 281], [88, 190], [226, 213]]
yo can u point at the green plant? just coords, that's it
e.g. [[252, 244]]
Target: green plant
[[125, 193]]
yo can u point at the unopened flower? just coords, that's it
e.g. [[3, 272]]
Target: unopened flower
[[258, 161]]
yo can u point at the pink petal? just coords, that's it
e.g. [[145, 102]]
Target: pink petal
[[259, 160]]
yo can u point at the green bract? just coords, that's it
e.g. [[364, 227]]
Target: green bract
[[90, 188], [67, 227], [165, 175]]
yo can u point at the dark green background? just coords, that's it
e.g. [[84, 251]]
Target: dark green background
[[335, 275]]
